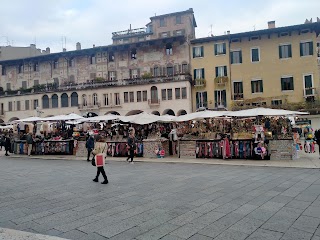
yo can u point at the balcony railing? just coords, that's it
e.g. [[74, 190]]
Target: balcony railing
[[154, 101], [130, 32], [237, 96], [309, 92], [199, 82]]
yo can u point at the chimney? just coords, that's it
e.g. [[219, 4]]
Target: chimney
[[78, 46], [64, 50], [33, 46], [228, 32], [94, 45], [271, 24], [48, 50]]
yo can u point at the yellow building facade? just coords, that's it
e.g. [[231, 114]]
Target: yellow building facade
[[274, 67]]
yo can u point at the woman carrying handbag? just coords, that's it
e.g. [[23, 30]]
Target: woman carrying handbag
[[99, 160]]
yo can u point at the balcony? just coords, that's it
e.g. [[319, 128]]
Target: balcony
[[221, 81], [154, 102], [237, 96], [199, 83], [89, 106], [309, 92], [130, 33]]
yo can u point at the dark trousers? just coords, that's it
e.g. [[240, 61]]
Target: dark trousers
[[131, 155], [89, 152], [101, 170], [318, 142]]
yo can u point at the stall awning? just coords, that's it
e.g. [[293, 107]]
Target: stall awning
[[264, 112]]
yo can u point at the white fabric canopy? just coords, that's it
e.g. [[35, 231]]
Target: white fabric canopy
[[141, 118], [102, 118], [263, 112], [71, 116], [6, 127], [200, 115], [30, 119]]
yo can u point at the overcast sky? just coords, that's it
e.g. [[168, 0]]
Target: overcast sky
[[89, 22]]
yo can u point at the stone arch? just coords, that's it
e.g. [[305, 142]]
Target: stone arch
[[156, 113], [112, 112], [13, 119], [45, 102], [74, 99], [169, 112], [134, 112], [64, 100], [181, 112], [54, 101]]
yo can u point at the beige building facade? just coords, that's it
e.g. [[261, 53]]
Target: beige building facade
[[274, 67], [11, 52], [145, 69]]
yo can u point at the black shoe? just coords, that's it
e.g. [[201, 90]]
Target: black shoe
[[105, 182], [7, 154], [95, 180], [88, 160]]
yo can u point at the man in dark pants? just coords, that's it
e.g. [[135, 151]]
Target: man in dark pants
[[100, 148], [7, 145], [317, 136], [131, 142], [89, 146]]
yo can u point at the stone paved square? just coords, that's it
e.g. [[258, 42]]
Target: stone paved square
[[159, 200]]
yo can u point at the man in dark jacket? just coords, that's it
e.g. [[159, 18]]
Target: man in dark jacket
[[89, 146], [7, 144], [317, 137]]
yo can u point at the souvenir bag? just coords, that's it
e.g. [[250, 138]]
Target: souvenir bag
[[98, 159]]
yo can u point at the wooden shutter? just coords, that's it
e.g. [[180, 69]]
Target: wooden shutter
[[291, 81], [240, 53], [203, 73], [202, 52], [216, 71], [224, 48], [301, 49], [205, 99], [225, 71], [290, 50], [231, 55], [282, 84], [194, 73], [261, 86], [215, 49], [194, 52], [311, 48], [252, 86], [280, 52]]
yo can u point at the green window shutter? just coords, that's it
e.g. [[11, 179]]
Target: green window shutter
[[215, 49], [261, 86], [292, 84], [216, 71], [205, 99], [280, 52], [301, 50], [194, 52], [290, 50], [252, 87], [194, 73], [203, 73], [282, 84], [225, 71], [231, 55], [241, 87], [311, 48], [202, 52], [224, 48], [240, 53]]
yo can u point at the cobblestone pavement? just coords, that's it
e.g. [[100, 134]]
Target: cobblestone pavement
[[159, 201]]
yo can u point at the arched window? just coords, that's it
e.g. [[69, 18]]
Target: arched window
[[84, 100], [54, 101], [154, 94], [95, 99], [64, 100], [45, 102], [74, 99]]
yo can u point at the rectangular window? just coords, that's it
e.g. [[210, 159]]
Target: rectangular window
[[55, 64], [237, 90], [198, 73], [255, 55], [117, 98], [177, 93], [112, 75], [106, 99], [35, 103], [276, 102], [131, 96], [306, 48], [111, 57], [20, 68], [18, 106], [36, 67], [71, 62], [220, 48], [144, 96], [220, 99], [24, 84], [26, 105], [256, 86], [162, 22], [164, 94], [164, 34], [221, 71], [197, 52], [287, 84], [125, 97], [184, 93], [9, 106], [236, 57], [285, 51], [134, 73], [156, 71], [185, 68], [178, 19], [169, 93], [169, 71], [35, 82], [201, 100], [139, 99], [308, 85], [8, 86]]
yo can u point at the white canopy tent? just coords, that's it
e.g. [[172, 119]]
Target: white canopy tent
[[264, 112], [30, 119], [141, 118], [200, 115], [71, 116], [102, 118]]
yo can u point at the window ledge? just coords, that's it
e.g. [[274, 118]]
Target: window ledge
[[222, 54], [284, 59], [258, 93], [197, 57], [287, 90], [255, 62], [236, 63]]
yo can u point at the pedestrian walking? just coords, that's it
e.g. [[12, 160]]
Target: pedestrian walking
[[131, 144], [7, 144], [99, 150], [89, 146], [29, 142], [317, 137]]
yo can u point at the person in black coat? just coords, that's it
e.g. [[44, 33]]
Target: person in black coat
[[317, 137], [131, 144], [7, 145]]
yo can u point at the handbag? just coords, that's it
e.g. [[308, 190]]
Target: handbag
[[93, 160]]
